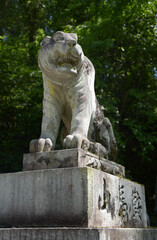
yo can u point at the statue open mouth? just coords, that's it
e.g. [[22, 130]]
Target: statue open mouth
[[67, 67], [67, 63]]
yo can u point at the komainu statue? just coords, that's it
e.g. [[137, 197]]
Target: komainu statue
[[69, 95]]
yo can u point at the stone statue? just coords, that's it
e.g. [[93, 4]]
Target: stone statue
[[69, 95]]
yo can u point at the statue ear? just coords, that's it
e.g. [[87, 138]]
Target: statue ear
[[73, 35], [45, 41]]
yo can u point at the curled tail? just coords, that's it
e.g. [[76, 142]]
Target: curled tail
[[103, 134]]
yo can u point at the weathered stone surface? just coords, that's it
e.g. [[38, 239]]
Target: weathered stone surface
[[69, 95], [70, 197], [77, 234], [70, 158]]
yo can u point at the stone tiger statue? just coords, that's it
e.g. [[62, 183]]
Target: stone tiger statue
[[69, 95]]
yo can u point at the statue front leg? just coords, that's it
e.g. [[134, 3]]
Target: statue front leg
[[81, 116], [50, 126]]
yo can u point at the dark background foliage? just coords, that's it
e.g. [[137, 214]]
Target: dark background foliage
[[120, 38]]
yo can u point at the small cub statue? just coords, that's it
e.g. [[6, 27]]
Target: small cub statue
[[69, 96]]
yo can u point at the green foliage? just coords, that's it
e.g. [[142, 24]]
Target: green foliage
[[20, 95], [119, 37]]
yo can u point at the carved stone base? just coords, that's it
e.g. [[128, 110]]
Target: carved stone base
[[70, 158], [77, 234], [82, 197]]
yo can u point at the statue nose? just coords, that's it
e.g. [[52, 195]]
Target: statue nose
[[71, 42]]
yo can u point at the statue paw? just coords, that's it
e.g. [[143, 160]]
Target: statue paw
[[76, 141], [98, 149], [40, 145]]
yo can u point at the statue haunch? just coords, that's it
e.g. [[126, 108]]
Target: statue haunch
[[69, 95]]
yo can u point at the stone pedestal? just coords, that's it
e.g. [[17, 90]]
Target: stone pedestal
[[70, 197], [73, 200], [70, 158], [78, 234]]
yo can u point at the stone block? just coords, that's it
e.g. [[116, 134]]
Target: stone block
[[77, 234], [70, 197], [70, 158]]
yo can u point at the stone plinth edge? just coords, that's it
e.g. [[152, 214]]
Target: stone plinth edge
[[70, 158], [77, 234]]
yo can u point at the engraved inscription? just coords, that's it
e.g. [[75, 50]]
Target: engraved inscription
[[104, 203], [123, 210], [137, 205]]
